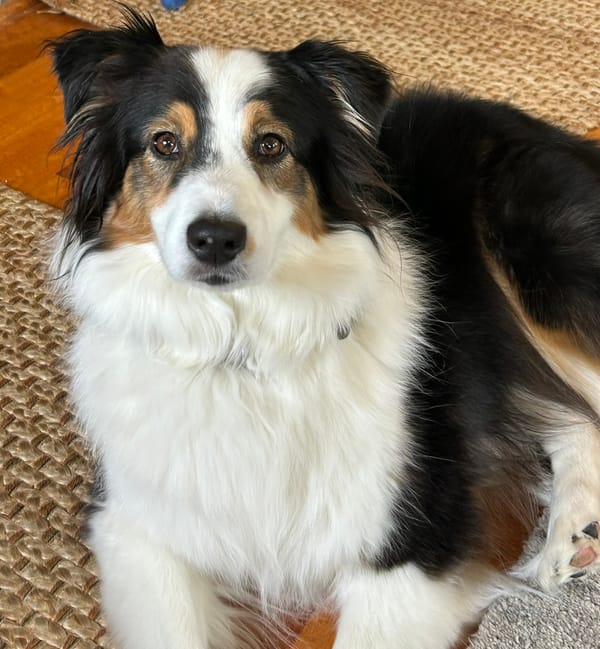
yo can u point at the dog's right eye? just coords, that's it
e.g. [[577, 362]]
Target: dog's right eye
[[166, 144], [270, 147]]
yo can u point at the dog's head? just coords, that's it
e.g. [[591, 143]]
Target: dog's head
[[221, 158]]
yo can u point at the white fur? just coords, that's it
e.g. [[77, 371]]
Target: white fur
[[573, 446], [150, 595], [404, 608], [233, 400], [229, 78], [228, 187], [575, 503], [238, 435], [223, 190]]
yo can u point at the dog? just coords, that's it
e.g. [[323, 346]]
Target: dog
[[321, 324]]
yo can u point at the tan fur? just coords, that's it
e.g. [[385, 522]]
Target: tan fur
[[128, 220], [508, 515], [147, 182], [182, 115], [308, 217], [559, 349]]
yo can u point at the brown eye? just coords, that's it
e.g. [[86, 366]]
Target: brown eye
[[166, 143], [270, 146]]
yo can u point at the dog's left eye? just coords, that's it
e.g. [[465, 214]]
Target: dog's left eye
[[271, 146], [165, 143]]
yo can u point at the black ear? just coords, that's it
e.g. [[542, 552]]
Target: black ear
[[350, 93], [84, 60], [355, 82], [95, 70]]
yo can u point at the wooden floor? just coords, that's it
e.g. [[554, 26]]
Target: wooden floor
[[31, 118], [30, 102]]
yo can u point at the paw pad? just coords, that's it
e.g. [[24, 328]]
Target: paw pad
[[569, 556], [587, 542], [583, 557]]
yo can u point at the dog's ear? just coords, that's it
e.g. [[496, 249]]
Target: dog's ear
[[358, 85], [95, 70], [350, 93], [85, 60]]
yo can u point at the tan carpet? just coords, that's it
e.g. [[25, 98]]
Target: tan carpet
[[541, 54], [48, 584]]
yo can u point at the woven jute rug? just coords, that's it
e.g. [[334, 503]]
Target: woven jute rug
[[48, 583], [540, 54]]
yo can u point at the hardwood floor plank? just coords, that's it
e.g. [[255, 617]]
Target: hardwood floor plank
[[30, 101], [31, 112], [594, 134], [25, 25], [319, 633]]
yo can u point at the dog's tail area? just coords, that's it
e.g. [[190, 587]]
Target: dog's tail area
[[540, 211]]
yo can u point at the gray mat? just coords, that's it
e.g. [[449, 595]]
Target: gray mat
[[568, 620]]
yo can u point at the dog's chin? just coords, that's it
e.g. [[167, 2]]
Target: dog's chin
[[219, 282], [239, 273], [217, 278]]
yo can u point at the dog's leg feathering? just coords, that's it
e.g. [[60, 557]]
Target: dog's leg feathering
[[405, 608], [151, 597]]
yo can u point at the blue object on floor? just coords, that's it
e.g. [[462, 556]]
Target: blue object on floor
[[173, 4]]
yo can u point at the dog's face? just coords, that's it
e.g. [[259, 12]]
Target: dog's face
[[226, 160]]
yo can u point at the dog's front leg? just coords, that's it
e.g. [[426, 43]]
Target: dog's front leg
[[572, 546], [405, 608], [151, 597]]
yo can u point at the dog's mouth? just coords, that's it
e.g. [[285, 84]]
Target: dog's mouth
[[216, 277]]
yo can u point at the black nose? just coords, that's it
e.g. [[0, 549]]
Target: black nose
[[216, 242]]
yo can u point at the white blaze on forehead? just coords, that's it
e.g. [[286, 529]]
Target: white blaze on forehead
[[229, 77]]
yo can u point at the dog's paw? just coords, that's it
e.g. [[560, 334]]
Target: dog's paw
[[587, 542], [567, 556]]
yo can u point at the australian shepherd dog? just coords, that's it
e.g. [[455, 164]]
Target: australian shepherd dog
[[323, 327]]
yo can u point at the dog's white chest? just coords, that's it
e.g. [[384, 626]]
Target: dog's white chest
[[235, 429], [275, 480]]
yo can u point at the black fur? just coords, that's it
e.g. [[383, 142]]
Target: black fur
[[342, 159], [97, 498], [469, 167], [484, 178]]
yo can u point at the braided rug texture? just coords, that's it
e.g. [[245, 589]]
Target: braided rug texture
[[539, 54], [48, 583]]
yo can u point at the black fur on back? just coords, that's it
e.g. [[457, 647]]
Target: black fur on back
[[530, 188], [481, 178]]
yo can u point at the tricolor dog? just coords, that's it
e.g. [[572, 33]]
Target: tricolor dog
[[321, 325]]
